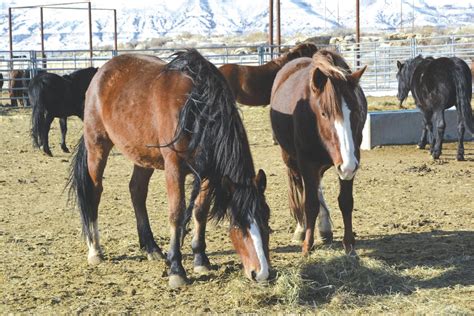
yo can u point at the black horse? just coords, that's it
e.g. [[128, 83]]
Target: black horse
[[438, 84], [55, 96]]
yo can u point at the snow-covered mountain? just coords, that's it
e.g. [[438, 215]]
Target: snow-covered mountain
[[140, 20]]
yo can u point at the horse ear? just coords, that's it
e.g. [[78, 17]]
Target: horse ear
[[228, 185], [399, 64], [261, 181], [356, 75], [318, 81]]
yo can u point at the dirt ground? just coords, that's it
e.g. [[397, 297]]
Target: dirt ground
[[413, 218]]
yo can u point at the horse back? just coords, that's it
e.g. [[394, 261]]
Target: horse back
[[291, 85], [133, 102], [433, 83]]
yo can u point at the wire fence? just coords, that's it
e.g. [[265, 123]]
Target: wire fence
[[379, 56]]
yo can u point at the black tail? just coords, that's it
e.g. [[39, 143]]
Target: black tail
[[81, 188], [463, 83], [38, 116]]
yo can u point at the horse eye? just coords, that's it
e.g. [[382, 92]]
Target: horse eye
[[324, 114]]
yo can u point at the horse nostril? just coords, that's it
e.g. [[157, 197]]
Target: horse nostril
[[339, 168], [254, 275]]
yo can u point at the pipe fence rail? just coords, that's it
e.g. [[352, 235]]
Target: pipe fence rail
[[379, 56]]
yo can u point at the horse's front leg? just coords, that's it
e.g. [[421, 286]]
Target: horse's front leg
[[324, 219], [426, 121], [63, 126], [198, 244], [175, 187], [346, 204], [139, 190], [311, 205], [438, 132]]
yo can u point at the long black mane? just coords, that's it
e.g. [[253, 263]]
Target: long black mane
[[218, 145]]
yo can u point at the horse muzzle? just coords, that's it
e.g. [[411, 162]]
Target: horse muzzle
[[347, 171]]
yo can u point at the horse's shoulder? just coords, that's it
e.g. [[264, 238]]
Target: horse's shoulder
[[290, 69]]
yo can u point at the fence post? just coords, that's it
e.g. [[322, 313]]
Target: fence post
[[261, 55], [33, 62], [452, 46], [375, 66]]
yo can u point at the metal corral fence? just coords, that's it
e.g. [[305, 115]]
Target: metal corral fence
[[380, 56]]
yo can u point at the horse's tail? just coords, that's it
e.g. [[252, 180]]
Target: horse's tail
[[296, 197], [38, 115], [463, 83], [81, 188]]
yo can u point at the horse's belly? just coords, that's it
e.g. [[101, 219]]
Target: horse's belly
[[141, 155]]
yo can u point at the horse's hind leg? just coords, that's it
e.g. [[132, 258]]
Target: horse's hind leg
[[45, 137], [295, 196], [139, 190], [201, 209], [97, 154], [461, 130], [438, 133], [324, 219], [311, 179], [63, 126]]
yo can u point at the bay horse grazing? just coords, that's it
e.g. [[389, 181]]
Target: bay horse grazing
[[438, 84], [179, 117], [57, 96], [252, 85], [318, 111], [18, 91]]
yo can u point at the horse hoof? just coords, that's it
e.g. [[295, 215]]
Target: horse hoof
[[326, 237], [65, 149], [460, 158], [155, 256], [352, 254], [299, 234], [420, 146], [201, 269], [298, 237], [176, 281], [48, 153], [94, 260]]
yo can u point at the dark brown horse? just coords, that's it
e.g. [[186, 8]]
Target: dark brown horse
[[252, 85], [182, 118], [318, 111], [19, 81]]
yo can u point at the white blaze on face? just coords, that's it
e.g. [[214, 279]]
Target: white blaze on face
[[348, 168], [262, 275]]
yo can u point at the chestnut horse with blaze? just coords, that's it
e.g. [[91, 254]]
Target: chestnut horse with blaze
[[318, 111], [252, 85], [179, 117]]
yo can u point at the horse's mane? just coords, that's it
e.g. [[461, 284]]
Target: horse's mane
[[218, 145], [332, 65], [301, 50]]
